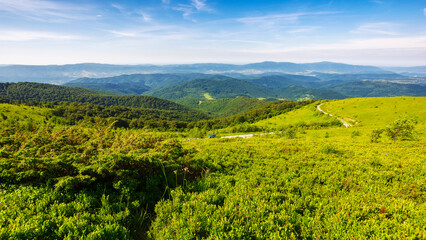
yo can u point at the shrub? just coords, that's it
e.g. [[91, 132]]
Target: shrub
[[355, 134], [401, 129], [376, 134]]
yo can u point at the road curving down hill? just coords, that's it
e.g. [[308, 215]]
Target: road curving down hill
[[346, 124]]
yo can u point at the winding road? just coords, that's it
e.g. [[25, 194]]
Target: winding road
[[346, 124]]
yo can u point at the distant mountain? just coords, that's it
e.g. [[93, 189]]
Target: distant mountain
[[138, 83], [358, 77], [280, 81], [377, 89], [417, 69], [46, 92], [60, 74]]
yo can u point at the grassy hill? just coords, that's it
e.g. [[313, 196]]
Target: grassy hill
[[378, 111], [308, 180], [46, 92]]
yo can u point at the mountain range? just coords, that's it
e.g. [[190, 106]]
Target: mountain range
[[59, 74]]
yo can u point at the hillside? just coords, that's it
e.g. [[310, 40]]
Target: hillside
[[225, 107], [378, 111], [137, 83], [218, 88], [294, 92], [45, 92], [310, 178], [377, 89]]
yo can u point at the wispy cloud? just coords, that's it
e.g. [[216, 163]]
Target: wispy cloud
[[383, 28], [44, 10], [279, 19], [424, 11], [377, 1], [20, 36], [154, 33], [134, 13], [193, 7], [200, 5], [303, 29]]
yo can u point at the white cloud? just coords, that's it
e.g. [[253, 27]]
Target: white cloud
[[20, 36], [424, 11], [383, 28], [194, 7], [167, 2], [186, 10], [145, 16], [279, 19], [44, 10], [155, 33], [200, 5]]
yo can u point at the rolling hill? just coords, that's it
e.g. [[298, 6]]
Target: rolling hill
[[46, 92], [294, 92], [217, 88], [138, 83]]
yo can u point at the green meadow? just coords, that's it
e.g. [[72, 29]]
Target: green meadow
[[311, 179]]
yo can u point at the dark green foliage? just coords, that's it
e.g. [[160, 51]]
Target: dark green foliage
[[217, 88], [128, 117], [127, 88], [137, 83], [226, 106], [375, 135], [355, 134], [297, 92], [100, 183], [45, 92]]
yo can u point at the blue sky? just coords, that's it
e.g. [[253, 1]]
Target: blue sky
[[368, 32]]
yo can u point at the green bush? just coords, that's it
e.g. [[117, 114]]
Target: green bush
[[401, 129]]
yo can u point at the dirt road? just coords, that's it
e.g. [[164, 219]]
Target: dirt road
[[346, 124]]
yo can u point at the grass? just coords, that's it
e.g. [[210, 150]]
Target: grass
[[16, 112], [208, 96], [377, 112], [326, 183]]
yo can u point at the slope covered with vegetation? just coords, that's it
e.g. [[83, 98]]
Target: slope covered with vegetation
[[217, 88], [309, 180], [137, 83], [46, 92], [224, 107]]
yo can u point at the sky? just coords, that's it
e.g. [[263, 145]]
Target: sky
[[365, 32]]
